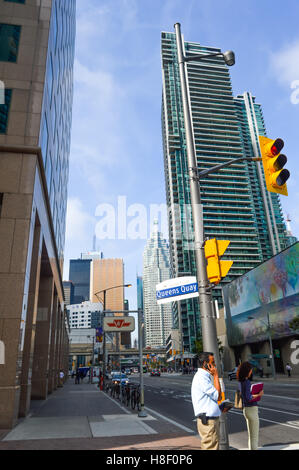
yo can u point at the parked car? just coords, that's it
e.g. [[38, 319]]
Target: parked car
[[128, 371], [155, 372], [232, 374]]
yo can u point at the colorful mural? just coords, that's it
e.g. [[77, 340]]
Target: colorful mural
[[270, 289]]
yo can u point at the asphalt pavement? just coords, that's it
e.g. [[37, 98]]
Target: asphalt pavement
[[278, 410]]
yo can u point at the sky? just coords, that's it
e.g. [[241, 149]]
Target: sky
[[116, 161]]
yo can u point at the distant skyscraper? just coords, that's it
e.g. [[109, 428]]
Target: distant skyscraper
[[232, 200], [140, 292], [107, 273], [140, 304], [68, 288], [79, 275], [37, 41], [157, 318]]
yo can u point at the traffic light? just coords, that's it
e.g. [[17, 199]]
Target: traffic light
[[273, 163], [216, 269]]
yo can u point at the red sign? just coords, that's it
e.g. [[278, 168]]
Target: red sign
[[119, 323]]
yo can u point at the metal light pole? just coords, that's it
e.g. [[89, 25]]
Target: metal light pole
[[209, 334], [142, 413], [104, 334]]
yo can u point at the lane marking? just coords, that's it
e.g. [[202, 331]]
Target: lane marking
[[268, 420], [184, 428], [278, 411]]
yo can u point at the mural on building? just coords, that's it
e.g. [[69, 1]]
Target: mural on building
[[271, 288]]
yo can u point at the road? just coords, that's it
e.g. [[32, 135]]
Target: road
[[170, 397]]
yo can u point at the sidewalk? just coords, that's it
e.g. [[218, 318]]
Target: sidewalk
[[83, 417]]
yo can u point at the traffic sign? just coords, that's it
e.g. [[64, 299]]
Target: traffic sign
[[119, 324], [176, 289]]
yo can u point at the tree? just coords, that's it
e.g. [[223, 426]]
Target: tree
[[198, 345], [294, 324]]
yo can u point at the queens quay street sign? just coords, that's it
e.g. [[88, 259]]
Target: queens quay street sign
[[179, 288], [119, 324]]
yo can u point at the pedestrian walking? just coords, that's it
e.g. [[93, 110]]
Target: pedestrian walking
[[249, 406], [77, 380], [288, 368], [61, 377], [205, 393]]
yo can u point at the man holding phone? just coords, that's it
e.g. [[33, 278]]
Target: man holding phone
[[205, 393]]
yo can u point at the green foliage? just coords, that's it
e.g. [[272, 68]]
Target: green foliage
[[294, 324]]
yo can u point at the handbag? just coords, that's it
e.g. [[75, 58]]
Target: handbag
[[238, 400]]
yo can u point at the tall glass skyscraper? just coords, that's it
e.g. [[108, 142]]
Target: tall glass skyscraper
[[80, 277], [157, 318], [231, 208], [37, 41]]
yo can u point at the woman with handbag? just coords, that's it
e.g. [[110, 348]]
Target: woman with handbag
[[250, 407]]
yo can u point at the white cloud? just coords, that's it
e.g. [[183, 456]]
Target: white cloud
[[79, 224], [286, 63]]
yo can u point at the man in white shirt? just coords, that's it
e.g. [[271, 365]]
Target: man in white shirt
[[205, 393]]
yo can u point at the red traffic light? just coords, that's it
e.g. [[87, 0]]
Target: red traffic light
[[276, 147]]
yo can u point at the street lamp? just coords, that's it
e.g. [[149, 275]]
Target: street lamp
[[104, 334], [209, 334], [268, 326]]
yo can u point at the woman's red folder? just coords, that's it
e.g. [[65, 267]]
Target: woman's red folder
[[255, 389]]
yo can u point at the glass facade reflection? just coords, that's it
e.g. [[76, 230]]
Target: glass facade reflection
[[9, 42], [80, 277], [55, 129]]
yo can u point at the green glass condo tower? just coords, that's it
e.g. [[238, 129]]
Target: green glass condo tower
[[232, 200]]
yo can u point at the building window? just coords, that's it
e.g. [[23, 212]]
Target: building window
[[9, 42], [1, 201], [4, 111]]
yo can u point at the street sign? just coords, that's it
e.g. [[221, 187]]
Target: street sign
[[176, 289], [119, 324]]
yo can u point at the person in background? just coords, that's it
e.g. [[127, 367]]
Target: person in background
[[205, 393], [288, 368], [61, 377], [250, 408]]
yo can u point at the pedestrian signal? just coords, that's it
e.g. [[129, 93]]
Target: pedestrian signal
[[273, 163]]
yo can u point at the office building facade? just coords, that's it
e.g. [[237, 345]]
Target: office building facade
[[107, 273], [36, 66], [85, 315], [156, 269], [231, 210]]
